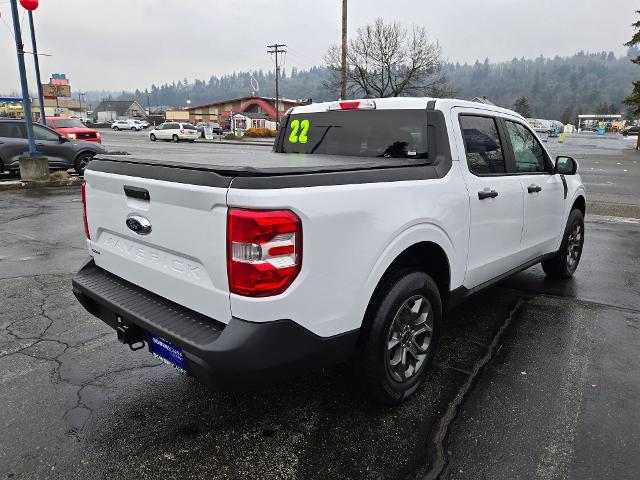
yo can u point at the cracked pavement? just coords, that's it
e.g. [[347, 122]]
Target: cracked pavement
[[534, 379]]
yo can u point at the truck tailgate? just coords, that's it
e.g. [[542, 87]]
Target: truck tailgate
[[182, 258]]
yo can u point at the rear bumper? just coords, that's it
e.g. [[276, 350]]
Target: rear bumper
[[239, 354]]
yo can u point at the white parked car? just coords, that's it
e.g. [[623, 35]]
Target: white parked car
[[134, 125], [175, 132], [349, 241]]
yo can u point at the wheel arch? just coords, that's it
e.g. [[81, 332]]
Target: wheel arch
[[426, 255], [579, 203]]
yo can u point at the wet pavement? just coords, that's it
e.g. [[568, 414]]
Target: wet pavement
[[534, 379]]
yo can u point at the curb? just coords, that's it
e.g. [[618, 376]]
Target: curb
[[20, 185]]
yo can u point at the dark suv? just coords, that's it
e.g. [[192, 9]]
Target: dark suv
[[62, 152]]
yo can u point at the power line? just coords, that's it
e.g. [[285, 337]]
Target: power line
[[277, 48]]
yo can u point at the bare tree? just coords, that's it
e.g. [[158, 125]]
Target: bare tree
[[388, 60]]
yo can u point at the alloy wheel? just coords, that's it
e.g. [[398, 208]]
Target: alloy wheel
[[409, 338], [574, 246]]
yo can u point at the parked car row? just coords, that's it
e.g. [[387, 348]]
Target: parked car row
[[129, 124], [62, 151]]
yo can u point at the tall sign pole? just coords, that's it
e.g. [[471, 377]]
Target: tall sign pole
[[23, 79], [343, 53], [36, 62]]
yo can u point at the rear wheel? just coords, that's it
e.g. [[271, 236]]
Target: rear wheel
[[175, 138], [152, 137], [81, 162], [402, 329], [565, 262]]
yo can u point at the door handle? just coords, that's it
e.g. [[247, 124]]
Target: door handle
[[482, 194], [534, 188]]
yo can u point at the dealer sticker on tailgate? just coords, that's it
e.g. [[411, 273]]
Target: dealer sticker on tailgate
[[168, 353]]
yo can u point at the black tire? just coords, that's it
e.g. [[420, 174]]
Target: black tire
[[565, 262], [390, 335], [81, 162], [152, 137], [117, 129], [175, 138]]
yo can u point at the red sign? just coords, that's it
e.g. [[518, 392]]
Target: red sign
[[58, 81], [29, 4]]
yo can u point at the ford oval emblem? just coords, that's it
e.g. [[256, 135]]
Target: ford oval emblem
[[138, 224]]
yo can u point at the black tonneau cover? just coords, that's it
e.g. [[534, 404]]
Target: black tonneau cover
[[244, 162]]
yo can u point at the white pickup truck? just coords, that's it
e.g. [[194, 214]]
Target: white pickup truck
[[349, 241]]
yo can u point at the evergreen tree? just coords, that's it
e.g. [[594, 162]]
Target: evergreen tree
[[633, 100], [522, 107]]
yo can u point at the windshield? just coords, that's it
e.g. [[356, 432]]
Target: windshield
[[71, 123], [361, 133]]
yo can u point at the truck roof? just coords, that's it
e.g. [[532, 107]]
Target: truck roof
[[408, 103]]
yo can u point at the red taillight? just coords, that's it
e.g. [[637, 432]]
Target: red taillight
[[349, 105], [84, 210], [264, 251]]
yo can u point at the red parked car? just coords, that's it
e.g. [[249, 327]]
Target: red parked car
[[74, 129]]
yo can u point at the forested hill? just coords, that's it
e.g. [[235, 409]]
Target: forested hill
[[557, 88]]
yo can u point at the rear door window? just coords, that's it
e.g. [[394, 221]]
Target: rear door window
[[171, 126], [485, 155], [42, 133], [527, 151], [12, 130], [361, 133]]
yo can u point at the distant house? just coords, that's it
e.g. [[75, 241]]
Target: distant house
[[245, 120], [117, 109]]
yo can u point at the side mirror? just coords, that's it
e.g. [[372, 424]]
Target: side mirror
[[64, 139], [566, 165]]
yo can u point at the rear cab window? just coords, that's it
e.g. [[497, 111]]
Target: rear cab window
[[380, 133]]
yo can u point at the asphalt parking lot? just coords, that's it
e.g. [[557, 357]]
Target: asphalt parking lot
[[535, 378]]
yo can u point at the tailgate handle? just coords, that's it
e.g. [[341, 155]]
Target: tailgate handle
[[137, 192]]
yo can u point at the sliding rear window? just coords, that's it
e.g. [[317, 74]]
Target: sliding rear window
[[361, 133]]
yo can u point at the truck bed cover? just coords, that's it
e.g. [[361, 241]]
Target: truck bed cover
[[258, 162]]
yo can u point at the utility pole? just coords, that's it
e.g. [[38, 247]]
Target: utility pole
[[343, 52], [276, 48]]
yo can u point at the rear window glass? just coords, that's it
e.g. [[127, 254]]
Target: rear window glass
[[361, 133], [188, 126], [11, 130]]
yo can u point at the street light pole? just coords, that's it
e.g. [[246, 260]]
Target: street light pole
[[23, 80], [36, 62]]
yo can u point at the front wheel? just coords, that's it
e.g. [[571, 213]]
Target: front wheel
[[175, 138], [116, 129], [81, 162], [402, 328], [152, 137], [565, 262]]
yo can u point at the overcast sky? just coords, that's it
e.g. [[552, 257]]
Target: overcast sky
[[128, 44]]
